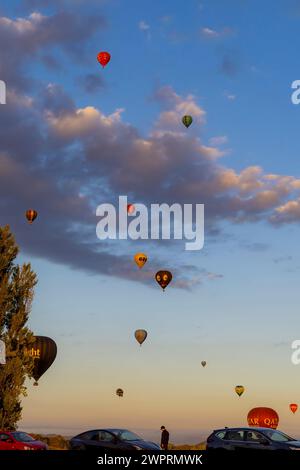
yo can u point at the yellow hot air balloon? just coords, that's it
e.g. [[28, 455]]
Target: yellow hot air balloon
[[239, 389], [140, 336], [140, 259]]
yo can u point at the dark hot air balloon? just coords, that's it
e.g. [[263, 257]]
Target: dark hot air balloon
[[44, 351], [119, 392], [163, 278], [31, 215], [103, 58], [203, 363], [263, 417], [140, 336], [187, 120]]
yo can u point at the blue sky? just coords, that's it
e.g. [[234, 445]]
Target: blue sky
[[234, 64]]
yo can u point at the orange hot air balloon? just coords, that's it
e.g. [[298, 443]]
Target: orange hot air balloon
[[103, 58], [31, 215], [293, 407], [130, 208], [140, 259], [263, 417]]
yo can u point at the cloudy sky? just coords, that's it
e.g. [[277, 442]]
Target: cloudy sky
[[74, 135]]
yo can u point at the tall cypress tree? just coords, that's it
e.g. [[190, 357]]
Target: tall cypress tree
[[16, 294]]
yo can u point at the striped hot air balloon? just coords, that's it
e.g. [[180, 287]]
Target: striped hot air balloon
[[187, 120], [31, 215]]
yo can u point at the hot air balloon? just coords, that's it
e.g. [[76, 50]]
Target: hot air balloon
[[119, 392], [203, 363], [31, 215], [239, 389], [103, 58], [140, 336], [44, 351], [163, 278], [140, 259], [130, 208], [263, 417], [293, 407], [187, 120]]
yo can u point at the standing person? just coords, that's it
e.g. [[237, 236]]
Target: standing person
[[164, 438]]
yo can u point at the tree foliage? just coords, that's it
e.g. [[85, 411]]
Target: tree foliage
[[16, 295]]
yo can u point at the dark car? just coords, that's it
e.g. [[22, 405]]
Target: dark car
[[110, 440], [17, 440], [251, 438]]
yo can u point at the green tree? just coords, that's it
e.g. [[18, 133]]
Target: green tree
[[16, 294]]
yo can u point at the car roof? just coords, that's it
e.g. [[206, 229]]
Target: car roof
[[113, 430], [253, 428]]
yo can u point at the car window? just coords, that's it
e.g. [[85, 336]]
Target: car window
[[4, 437], [221, 434], [253, 436], [22, 436], [86, 435], [278, 436], [106, 436], [234, 435]]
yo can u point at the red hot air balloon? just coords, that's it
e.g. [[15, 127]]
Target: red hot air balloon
[[263, 417], [293, 407], [103, 58], [130, 208]]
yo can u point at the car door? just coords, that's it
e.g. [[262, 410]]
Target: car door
[[108, 441], [234, 439], [256, 440], [6, 442]]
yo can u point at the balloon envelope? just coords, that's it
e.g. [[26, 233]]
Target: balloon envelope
[[103, 58], [187, 120], [140, 259], [44, 351], [163, 278], [239, 389], [293, 407], [119, 392], [130, 208], [263, 417], [203, 363], [31, 215], [140, 336]]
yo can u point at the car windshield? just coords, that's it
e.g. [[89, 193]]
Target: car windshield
[[22, 436], [278, 436], [125, 435]]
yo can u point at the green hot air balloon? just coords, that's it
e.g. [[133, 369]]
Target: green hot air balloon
[[187, 120], [44, 351], [140, 336]]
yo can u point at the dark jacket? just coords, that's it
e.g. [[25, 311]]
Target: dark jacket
[[164, 439]]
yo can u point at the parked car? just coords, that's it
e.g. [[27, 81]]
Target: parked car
[[251, 438], [110, 440], [18, 440]]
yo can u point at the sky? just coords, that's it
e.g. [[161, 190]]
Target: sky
[[74, 135]]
